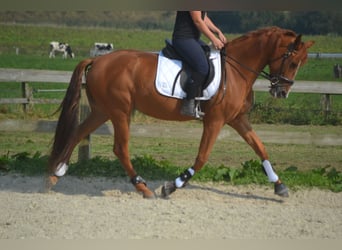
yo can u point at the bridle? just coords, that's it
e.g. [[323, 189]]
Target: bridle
[[276, 80]]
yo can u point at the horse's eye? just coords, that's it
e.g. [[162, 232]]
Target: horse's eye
[[293, 65]]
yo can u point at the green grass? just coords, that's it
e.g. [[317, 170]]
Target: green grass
[[33, 42], [182, 150], [34, 39], [23, 61], [147, 166], [319, 70], [297, 109]]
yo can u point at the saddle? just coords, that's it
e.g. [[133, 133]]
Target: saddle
[[184, 74], [172, 74]]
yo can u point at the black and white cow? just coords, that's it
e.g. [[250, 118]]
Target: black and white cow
[[60, 47], [102, 48]]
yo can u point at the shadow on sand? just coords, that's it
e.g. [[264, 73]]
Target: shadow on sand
[[70, 185]]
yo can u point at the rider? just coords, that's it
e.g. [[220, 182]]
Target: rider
[[186, 39]]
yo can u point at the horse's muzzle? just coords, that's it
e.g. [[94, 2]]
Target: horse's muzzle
[[278, 91], [280, 86]]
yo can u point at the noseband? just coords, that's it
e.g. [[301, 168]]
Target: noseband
[[278, 79]]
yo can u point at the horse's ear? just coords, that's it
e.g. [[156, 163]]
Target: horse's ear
[[309, 44], [297, 42]]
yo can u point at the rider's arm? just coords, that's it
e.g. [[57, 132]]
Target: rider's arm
[[214, 29], [204, 29]]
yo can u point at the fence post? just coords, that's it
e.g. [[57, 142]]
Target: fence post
[[326, 105], [26, 93], [84, 145]]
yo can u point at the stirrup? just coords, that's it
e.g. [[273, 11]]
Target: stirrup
[[200, 98], [198, 112]]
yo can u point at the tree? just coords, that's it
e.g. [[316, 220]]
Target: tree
[[306, 22]]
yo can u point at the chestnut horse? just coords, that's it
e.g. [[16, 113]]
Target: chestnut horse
[[122, 81]]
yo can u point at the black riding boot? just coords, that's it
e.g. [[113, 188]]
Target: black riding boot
[[192, 89], [188, 107]]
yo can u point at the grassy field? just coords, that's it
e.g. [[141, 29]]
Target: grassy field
[[182, 151], [33, 44], [33, 39], [164, 158]]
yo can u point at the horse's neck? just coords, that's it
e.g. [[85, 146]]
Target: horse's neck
[[250, 57]]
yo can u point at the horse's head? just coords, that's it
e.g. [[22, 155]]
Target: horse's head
[[285, 63]]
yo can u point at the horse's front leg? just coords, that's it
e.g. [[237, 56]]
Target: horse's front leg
[[243, 127], [209, 135]]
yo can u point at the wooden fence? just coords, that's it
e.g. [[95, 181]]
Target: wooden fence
[[26, 76]]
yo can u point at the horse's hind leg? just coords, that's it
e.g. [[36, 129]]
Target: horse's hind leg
[[93, 121], [121, 138]]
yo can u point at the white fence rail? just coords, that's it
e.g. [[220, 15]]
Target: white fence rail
[[54, 76]]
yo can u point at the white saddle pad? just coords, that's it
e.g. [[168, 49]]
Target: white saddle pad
[[168, 69]]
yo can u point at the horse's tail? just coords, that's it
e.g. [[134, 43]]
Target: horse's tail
[[68, 119]]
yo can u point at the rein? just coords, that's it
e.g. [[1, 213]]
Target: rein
[[275, 80], [224, 72]]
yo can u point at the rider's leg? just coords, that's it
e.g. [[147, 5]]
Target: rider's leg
[[193, 54], [192, 89]]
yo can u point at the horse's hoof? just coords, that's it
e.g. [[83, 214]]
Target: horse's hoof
[[50, 182], [281, 190], [167, 189], [149, 195]]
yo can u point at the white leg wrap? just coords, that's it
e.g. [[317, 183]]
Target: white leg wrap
[[61, 169], [272, 177], [179, 183]]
